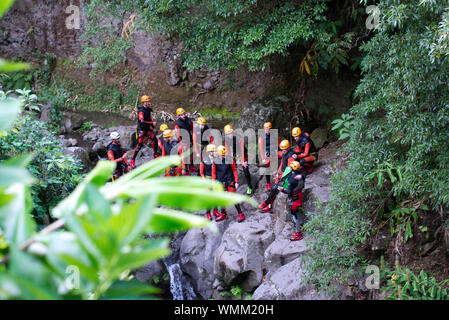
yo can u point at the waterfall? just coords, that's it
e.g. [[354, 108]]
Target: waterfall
[[180, 286]]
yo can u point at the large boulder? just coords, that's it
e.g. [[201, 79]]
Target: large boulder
[[72, 121], [319, 137], [126, 135], [287, 283], [255, 114], [79, 153], [197, 258], [239, 258]]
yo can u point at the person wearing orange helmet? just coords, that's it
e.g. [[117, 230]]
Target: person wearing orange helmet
[[305, 149], [264, 149], [200, 140], [295, 185], [170, 146], [145, 128], [206, 173], [288, 156], [159, 138], [185, 123], [232, 142], [224, 170]]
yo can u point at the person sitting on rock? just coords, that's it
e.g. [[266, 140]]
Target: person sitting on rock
[[199, 137], [206, 173], [295, 184], [264, 149], [225, 171], [185, 123], [159, 138], [305, 149], [288, 156], [231, 141], [167, 144], [145, 128], [116, 154]]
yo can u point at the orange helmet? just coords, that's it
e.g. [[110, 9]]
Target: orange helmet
[[167, 133], [228, 129], [285, 144], [221, 150], [180, 111], [145, 99], [295, 165], [267, 125], [211, 148], [296, 132], [163, 127], [201, 120]]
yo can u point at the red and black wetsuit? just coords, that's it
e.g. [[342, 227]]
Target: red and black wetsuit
[[239, 142], [206, 168], [264, 149], [285, 162], [145, 128], [306, 150], [116, 152], [206, 173], [185, 124], [224, 170], [204, 140], [295, 198], [166, 150]]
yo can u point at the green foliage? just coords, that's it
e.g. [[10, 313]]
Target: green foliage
[[403, 284], [229, 34], [57, 174], [103, 48], [103, 241], [343, 125], [86, 126], [237, 291], [18, 80], [400, 134]]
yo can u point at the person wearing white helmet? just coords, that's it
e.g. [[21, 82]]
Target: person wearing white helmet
[[116, 154]]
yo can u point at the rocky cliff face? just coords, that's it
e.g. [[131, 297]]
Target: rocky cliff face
[[156, 66]]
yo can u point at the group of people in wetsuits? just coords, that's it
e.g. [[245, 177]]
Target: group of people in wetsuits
[[219, 163]]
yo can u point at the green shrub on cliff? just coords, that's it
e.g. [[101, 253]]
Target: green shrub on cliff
[[229, 34]]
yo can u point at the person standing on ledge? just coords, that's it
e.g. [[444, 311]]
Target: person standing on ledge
[[145, 128]]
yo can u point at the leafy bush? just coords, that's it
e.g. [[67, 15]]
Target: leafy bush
[[403, 284], [228, 34], [402, 119], [57, 174], [343, 125]]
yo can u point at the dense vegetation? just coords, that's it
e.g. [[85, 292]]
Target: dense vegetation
[[397, 132], [398, 139], [229, 34]]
